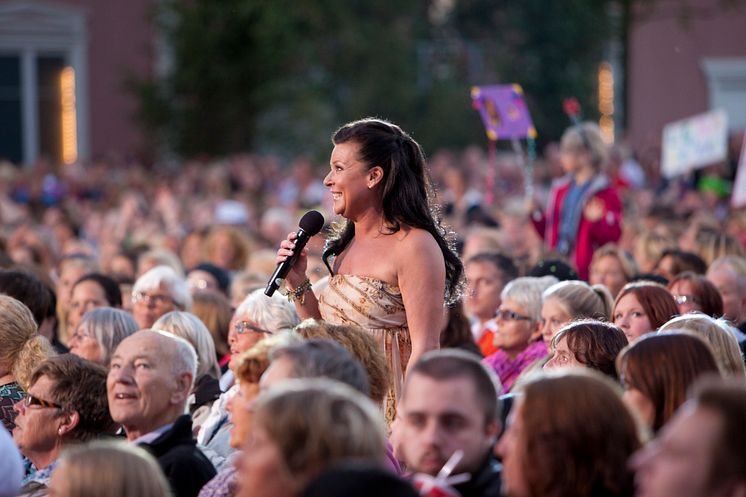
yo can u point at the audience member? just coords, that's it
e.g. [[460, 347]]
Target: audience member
[[99, 334], [450, 404], [613, 268], [518, 334], [335, 423], [571, 300], [457, 333], [151, 259], [158, 291], [694, 293], [11, 469], [360, 344], [718, 334], [675, 261], [70, 269], [206, 389], [250, 367], [584, 208], [215, 311], [21, 351], [642, 307], [560, 442], [89, 292], [358, 479], [148, 386], [588, 343], [486, 273], [701, 450], [208, 277], [65, 404], [728, 274], [227, 248], [108, 469], [657, 370]]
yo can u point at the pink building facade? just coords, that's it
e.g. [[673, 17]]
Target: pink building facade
[[677, 70], [86, 112]]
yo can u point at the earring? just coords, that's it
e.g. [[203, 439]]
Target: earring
[[59, 432]]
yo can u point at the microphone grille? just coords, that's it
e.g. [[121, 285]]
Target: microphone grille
[[311, 222]]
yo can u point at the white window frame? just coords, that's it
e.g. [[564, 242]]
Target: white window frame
[[726, 84], [29, 29]]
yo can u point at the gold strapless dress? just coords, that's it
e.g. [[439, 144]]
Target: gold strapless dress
[[378, 308]]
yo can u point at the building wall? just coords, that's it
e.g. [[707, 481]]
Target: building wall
[[120, 40], [105, 41], [666, 77]]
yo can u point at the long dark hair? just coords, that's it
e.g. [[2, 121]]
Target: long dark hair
[[407, 192]]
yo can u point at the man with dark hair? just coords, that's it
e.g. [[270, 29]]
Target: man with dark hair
[[486, 273], [89, 292], [675, 261], [28, 289], [41, 300], [450, 404], [702, 450]]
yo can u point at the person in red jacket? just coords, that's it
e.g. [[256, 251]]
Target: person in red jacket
[[584, 210]]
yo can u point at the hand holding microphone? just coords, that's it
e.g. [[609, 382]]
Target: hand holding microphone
[[291, 250]]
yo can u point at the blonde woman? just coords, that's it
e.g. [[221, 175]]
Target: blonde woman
[[572, 300], [335, 422], [108, 469], [22, 348], [612, 267], [715, 332]]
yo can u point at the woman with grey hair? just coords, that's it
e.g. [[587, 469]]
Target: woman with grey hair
[[158, 291], [256, 318], [519, 328], [99, 333], [206, 388]]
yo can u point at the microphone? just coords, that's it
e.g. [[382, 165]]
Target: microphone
[[310, 224]]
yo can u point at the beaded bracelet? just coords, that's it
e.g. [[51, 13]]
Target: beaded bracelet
[[300, 292]]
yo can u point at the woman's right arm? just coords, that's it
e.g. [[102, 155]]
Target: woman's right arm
[[306, 304]]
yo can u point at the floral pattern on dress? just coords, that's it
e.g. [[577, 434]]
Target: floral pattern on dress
[[378, 308]]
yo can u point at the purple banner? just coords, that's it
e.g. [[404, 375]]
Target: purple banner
[[503, 111]]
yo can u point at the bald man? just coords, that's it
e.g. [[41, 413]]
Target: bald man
[[148, 387]]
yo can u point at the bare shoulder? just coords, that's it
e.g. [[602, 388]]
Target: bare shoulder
[[415, 243]]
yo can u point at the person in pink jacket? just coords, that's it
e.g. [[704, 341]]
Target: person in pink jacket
[[584, 210]]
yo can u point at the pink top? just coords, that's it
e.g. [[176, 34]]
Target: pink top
[[508, 369]]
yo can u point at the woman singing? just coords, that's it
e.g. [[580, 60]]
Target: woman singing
[[392, 266]]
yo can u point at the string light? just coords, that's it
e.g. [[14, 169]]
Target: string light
[[68, 116], [606, 101]]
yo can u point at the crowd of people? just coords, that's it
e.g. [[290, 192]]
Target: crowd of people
[[586, 342]]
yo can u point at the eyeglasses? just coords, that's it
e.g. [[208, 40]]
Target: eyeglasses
[[244, 327], [510, 316], [685, 299], [30, 400], [79, 335], [148, 299]]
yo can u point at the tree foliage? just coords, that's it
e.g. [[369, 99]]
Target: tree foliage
[[280, 76]]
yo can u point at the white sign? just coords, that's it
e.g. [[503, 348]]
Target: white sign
[[738, 198], [694, 143]]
